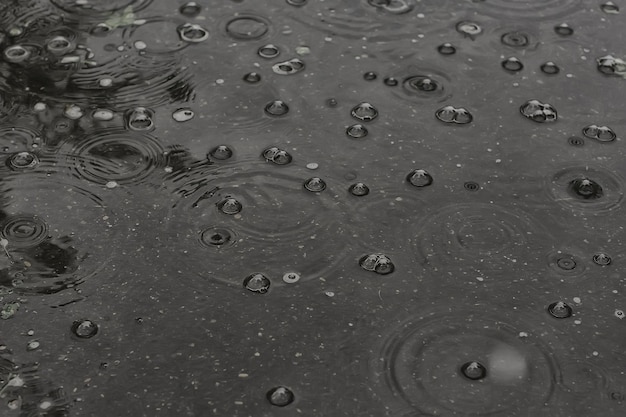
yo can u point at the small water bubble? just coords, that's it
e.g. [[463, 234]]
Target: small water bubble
[[257, 282], [600, 133], [357, 131], [16, 53], [332, 102], [280, 396], [470, 29], [446, 49], [601, 259], [216, 237], [315, 184], [370, 76], [33, 345], [252, 77], [471, 186], [610, 65], [73, 112], [140, 119], [191, 32], [111, 184], [576, 141], [230, 206], [364, 112], [277, 156], [190, 9], [564, 29], [585, 188], [297, 3], [276, 108], [538, 112], [390, 82], [566, 263], [474, 370], [220, 152], [359, 189], [619, 314], [291, 277], [268, 51], [421, 83], [419, 178], [84, 328], [560, 310], [22, 160], [377, 262], [512, 64], [550, 68], [183, 115], [289, 67], [609, 7], [59, 45], [515, 39]]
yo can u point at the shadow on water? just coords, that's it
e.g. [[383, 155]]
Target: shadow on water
[[349, 208]]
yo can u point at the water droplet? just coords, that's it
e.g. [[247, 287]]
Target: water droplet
[[220, 152], [22, 160], [512, 64], [377, 262], [291, 277], [268, 51], [280, 396], [216, 237], [59, 45], [84, 328], [290, 67], [564, 29], [446, 49], [257, 282], [276, 108], [16, 53], [599, 133], [451, 114], [471, 186], [576, 141], [183, 115], [515, 39], [538, 111], [315, 184], [357, 131], [191, 32], [419, 178], [585, 188], [252, 77], [609, 7], [359, 189], [390, 82], [601, 259], [566, 263], [370, 76], [560, 310], [550, 68], [230, 206], [190, 9], [277, 156], [247, 27], [140, 119], [470, 29], [474, 370], [364, 112]]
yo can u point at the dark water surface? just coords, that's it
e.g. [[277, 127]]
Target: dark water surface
[[319, 208]]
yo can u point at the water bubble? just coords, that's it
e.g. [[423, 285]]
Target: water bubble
[[280, 396], [515, 39], [190, 9], [610, 65], [296, 3], [471, 186], [216, 237], [560, 310], [451, 114], [359, 189], [220, 152], [370, 76], [364, 112], [609, 7], [474, 370], [16, 53], [390, 82], [247, 27], [512, 64], [84, 328], [550, 68], [277, 155], [276, 108], [59, 45], [191, 32], [419, 178], [585, 188], [564, 29], [257, 282], [470, 29], [446, 49], [140, 119], [183, 115], [619, 314], [291, 277], [576, 141], [377, 262], [289, 67], [315, 184], [601, 259], [73, 112], [252, 77], [103, 115], [600, 133], [538, 111], [230, 206], [332, 102], [393, 6], [357, 131], [22, 160], [268, 51]]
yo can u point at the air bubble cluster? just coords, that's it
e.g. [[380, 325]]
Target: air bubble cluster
[[277, 156], [454, 115], [538, 112], [377, 262], [599, 133], [610, 65], [289, 67]]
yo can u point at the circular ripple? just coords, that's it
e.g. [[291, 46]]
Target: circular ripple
[[101, 9], [561, 189], [15, 139], [423, 84], [247, 27], [532, 9], [23, 231], [423, 359], [116, 155], [566, 263], [484, 235]]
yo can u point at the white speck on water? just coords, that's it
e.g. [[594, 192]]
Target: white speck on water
[[577, 300], [111, 184], [312, 165]]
